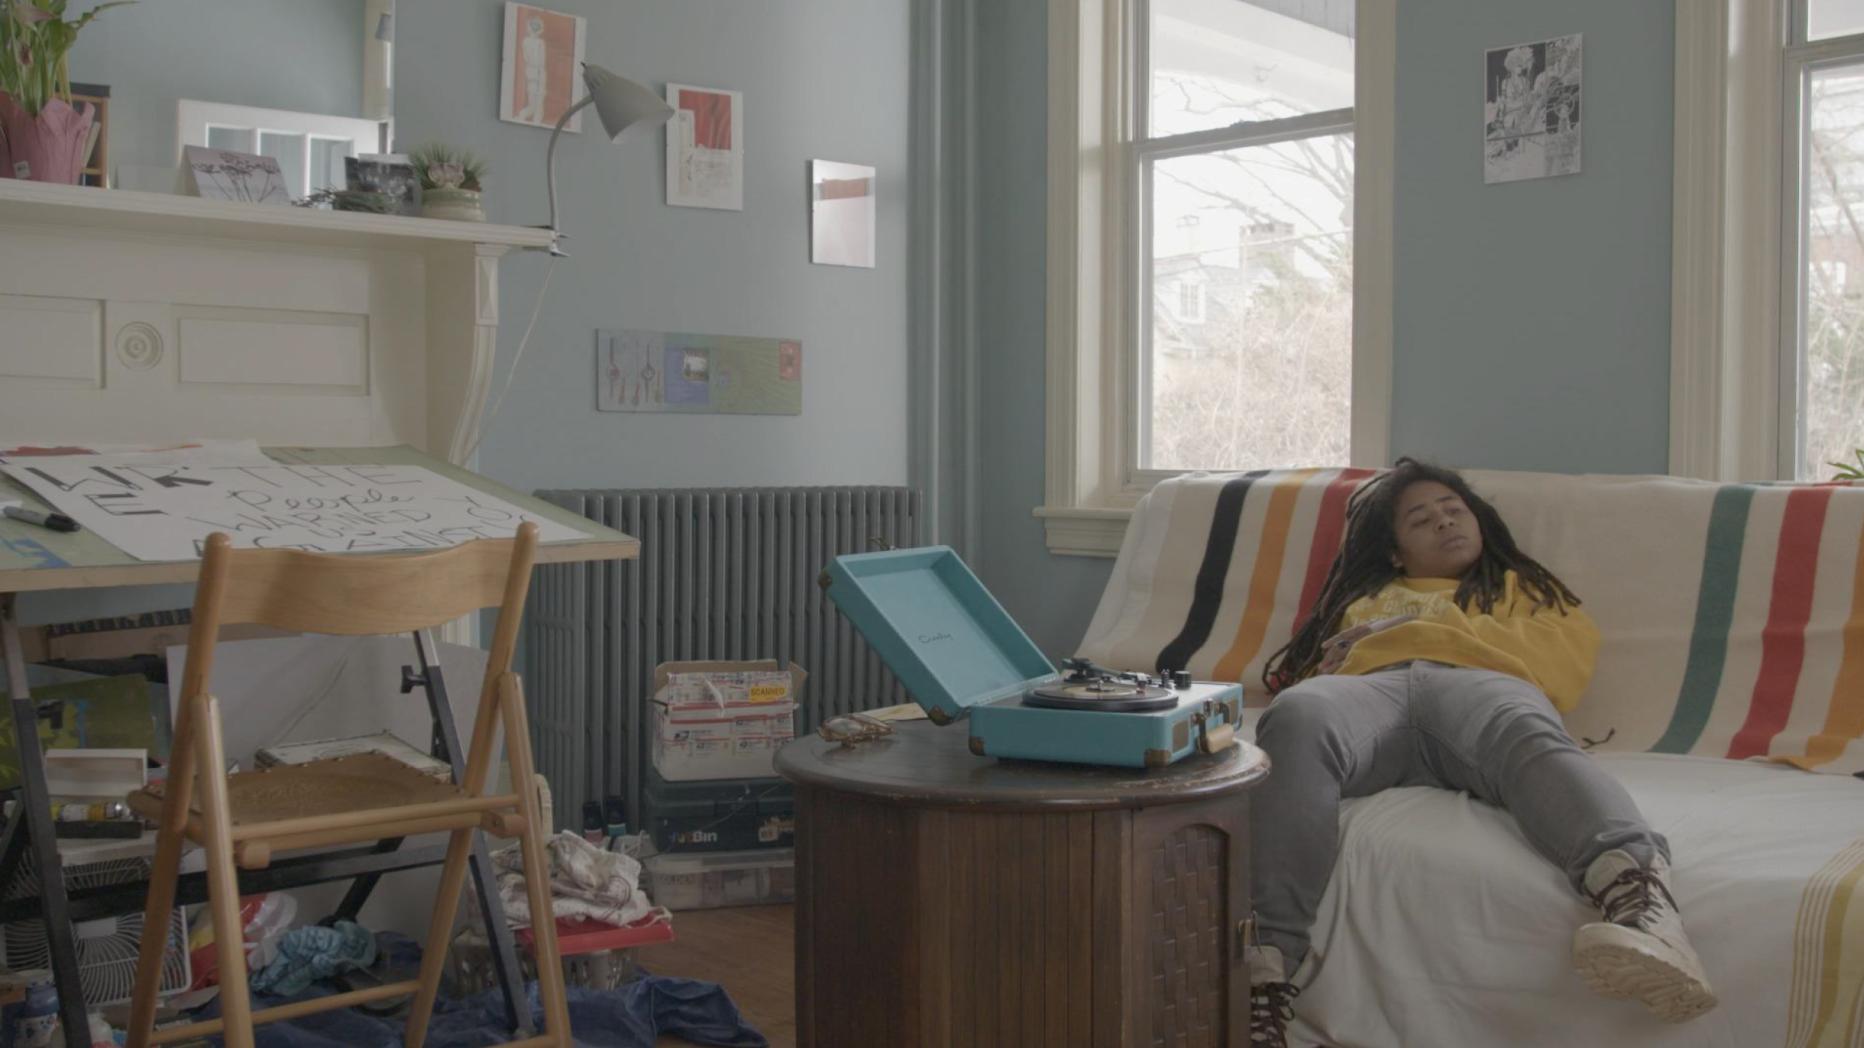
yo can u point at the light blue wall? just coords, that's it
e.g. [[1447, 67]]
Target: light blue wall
[[1532, 324], [1532, 321], [821, 79], [304, 55], [1051, 597]]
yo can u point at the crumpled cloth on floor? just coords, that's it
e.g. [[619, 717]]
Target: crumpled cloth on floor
[[585, 881], [630, 1017], [315, 952]]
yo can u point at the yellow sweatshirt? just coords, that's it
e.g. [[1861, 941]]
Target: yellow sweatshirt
[[1553, 651]]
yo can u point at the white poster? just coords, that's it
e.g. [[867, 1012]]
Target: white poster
[[166, 512], [705, 148], [841, 214], [1530, 123]]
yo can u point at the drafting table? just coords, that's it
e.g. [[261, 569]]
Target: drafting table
[[34, 559]]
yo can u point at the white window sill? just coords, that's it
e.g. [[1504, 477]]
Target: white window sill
[[1076, 531]]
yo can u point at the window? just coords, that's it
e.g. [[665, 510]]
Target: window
[[1767, 329], [1245, 160], [1190, 305], [1822, 366], [1219, 252]]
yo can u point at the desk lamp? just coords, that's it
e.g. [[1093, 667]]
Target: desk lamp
[[619, 103]]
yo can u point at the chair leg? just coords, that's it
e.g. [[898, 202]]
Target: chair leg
[[446, 905], [155, 918], [536, 863], [223, 881]]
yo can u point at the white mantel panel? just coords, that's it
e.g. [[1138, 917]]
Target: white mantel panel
[[104, 294], [138, 337], [51, 341], [279, 351]]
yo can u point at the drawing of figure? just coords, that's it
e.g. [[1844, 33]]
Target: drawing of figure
[[532, 57], [1516, 96]]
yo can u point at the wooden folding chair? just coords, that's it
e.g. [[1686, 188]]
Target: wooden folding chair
[[245, 818]]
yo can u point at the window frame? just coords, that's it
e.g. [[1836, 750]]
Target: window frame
[[1738, 235], [1801, 59], [1097, 304]]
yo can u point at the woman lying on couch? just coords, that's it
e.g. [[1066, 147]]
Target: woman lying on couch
[[1439, 654]]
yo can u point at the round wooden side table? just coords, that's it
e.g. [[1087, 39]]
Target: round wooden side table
[[944, 898]]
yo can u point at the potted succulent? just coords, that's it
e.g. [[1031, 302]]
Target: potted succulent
[[42, 136], [450, 182]]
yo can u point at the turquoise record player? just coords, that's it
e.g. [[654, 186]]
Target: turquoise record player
[[960, 655]]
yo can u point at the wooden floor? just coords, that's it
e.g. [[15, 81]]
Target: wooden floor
[[749, 950]]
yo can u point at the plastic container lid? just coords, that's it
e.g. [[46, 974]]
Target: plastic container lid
[[936, 626]]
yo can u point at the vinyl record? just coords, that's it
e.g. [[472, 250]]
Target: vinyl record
[[1113, 696]]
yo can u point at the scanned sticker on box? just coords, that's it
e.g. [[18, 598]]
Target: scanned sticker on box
[[717, 685]]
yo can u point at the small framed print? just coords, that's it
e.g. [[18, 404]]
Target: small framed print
[[222, 174], [390, 174], [705, 148]]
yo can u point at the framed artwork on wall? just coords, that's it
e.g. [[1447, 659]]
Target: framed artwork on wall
[[1530, 116], [541, 73], [705, 148], [841, 214]]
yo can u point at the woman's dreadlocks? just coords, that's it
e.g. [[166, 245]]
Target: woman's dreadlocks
[[1364, 566]]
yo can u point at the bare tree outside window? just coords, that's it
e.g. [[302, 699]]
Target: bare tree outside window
[[1261, 375], [1831, 371]]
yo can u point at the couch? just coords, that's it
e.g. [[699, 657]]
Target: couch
[[1728, 698]]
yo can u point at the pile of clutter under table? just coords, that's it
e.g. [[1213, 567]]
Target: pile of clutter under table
[[602, 912]]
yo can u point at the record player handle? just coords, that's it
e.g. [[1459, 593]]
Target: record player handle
[[1217, 739]]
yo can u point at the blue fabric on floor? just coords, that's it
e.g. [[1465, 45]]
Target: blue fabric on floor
[[312, 952], [630, 1017]]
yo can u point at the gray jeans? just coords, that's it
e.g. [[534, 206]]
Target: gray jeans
[[1423, 724]]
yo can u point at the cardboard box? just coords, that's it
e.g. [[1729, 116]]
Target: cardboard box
[[722, 720]]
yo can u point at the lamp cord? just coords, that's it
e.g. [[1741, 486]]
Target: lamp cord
[[516, 359]]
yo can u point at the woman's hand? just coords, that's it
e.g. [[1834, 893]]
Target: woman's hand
[[1335, 648]]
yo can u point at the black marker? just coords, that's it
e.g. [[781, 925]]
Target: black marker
[[55, 521]]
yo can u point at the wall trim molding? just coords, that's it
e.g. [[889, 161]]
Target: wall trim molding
[[1375, 158], [1727, 318], [941, 293]]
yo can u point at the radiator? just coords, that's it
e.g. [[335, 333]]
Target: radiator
[[723, 574]]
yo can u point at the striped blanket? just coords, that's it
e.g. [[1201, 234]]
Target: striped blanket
[[1732, 615]]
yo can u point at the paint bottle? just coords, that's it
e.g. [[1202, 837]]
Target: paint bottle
[[616, 814]]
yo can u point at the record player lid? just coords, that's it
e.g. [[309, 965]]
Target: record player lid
[[936, 626]]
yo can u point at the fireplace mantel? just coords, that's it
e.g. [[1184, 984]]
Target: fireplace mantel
[[134, 317]]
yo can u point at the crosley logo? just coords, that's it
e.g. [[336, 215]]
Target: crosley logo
[[933, 638]]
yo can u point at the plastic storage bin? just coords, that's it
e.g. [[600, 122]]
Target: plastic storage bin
[[718, 816], [711, 879]]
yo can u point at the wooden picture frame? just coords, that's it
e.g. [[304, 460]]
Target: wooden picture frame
[[97, 164]]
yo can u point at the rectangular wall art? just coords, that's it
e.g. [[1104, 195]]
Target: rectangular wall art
[[542, 72], [705, 148], [1530, 122], [663, 372], [841, 214]]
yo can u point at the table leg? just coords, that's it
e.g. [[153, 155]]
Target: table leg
[[359, 890], [485, 882], [36, 807]]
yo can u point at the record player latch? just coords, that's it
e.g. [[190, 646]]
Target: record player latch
[[1213, 738]]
